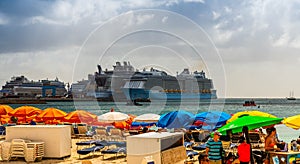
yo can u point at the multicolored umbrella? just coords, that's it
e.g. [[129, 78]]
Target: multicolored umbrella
[[250, 113], [252, 122], [293, 122], [5, 109], [80, 116], [148, 117], [111, 117]]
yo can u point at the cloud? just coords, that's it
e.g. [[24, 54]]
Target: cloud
[[3, 19], [245, 33], [197, 1], [216, 15]]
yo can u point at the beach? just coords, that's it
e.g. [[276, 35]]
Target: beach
[[74, 158]]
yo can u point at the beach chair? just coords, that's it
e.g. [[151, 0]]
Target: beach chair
[[200, 147], [115, 134], [85, 143], [2, 130], [101, 133], [191, 154], [235, 138], [89, 150], [17, 148], [5, 150], [82, 130], [117, 151]]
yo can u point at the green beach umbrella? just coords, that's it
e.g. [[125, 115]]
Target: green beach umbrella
[[252, 122]]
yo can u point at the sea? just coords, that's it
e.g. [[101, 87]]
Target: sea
[[279, 107]]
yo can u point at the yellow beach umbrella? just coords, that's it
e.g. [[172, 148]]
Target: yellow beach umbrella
[[250, 113], [293, 122]]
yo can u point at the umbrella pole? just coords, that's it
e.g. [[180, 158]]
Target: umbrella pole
[[246, 132]]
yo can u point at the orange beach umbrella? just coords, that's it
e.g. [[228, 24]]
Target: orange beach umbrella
[[79, 116], [51, 114], [5, 109], [125, 124], [24, 111]]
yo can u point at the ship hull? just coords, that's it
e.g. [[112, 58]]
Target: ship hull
[[142, 94], [136, 94]]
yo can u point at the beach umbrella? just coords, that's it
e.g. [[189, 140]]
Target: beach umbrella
[[79, 116], [250, 113], [293, 122], [5, 119], [5, 109], [124, 124], [252, 122], [148, 117], [176, 119], [52, 114], [24, 111], [111, 117], [213, 117]]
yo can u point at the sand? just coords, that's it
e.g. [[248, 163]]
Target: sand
[[74, 158]]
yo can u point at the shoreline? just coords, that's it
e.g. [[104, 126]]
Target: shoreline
[[227, 101]]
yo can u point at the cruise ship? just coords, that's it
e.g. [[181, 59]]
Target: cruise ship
[[158, 85], [20, 86], [104, 84], [124, 83]]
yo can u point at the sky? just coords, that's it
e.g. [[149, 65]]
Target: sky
[[248, 48]]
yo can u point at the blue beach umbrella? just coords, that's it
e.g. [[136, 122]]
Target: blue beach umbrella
[[212, 119], [176, 119]]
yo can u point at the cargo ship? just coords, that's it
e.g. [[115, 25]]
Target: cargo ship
[[158, 85]]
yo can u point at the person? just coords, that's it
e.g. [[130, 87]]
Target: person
[[244, 151], [270, 143], [298, 140], [14, 119], [112, 109], [262, 135], [32, 122], [214, 149]]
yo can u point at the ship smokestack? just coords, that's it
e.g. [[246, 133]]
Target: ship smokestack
[[99, 69]]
